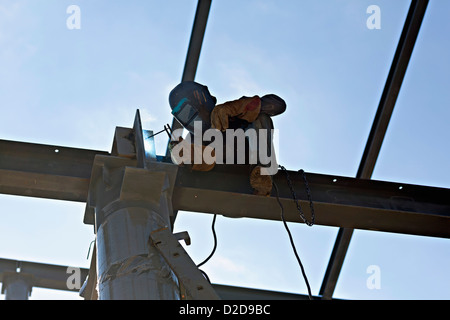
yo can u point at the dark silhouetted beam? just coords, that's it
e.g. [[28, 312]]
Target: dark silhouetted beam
[[380, 124], [339, 201], [194, 49], [45, 171], [196, 41]]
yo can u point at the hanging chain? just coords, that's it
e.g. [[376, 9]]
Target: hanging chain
[[294, 197]]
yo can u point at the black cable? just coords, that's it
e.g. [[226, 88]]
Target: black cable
[[292, 242], [213, 250], [215, 242], [205, 275]]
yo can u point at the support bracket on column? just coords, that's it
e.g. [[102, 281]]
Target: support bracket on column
[[193, 281]]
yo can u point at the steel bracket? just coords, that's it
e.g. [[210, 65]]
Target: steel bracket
[[193, 281]]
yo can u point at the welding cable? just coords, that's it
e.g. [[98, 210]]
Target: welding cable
[[215, 242], [292, 241], [205, 275], [213, 250]]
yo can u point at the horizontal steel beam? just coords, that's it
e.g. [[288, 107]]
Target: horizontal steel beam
[[338, 201], [41, 275], [45, 171], [39, 171], [241, 293], [55, 277]]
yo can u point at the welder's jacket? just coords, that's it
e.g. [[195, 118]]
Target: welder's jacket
[[232, 114], [236, 114]]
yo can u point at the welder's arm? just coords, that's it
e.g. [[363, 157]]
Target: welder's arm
[[244, 108], [182, 152]]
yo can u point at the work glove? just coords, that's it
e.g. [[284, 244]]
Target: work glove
[[262, 184], [202, 166], [178, 158], [244, 108]]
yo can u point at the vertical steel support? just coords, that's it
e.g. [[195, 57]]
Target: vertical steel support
[[195, 46], [16, 286], [129, 204], [388, 99], [196, 41]]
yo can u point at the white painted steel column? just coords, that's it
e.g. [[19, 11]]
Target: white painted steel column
[[129, 204], [16, 287]]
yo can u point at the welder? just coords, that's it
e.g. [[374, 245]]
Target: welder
[[192, 104]]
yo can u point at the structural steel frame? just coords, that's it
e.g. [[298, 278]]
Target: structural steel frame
[[64, 173], [51, 276], [380, 124], [38, 171]]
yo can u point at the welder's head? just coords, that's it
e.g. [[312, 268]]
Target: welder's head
[[190, 102]]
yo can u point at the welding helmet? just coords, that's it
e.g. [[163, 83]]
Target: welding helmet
[[191, 102]]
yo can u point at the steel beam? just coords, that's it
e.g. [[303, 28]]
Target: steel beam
[[242, 293], [336, 262], [392, 87], [57, 274], [40, 275], [196, 41], [45, 171], [380, 124], [195, 46], [339, 201]]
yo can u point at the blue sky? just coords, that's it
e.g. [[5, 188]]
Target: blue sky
[[73, 87]]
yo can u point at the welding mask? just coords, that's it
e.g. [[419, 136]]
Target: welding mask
[[191, 102]]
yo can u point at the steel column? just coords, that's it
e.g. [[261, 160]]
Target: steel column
[[380, 124], [129, 204], [16, 286]]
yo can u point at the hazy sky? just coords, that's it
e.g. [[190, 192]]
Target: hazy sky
[[72, 88]]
